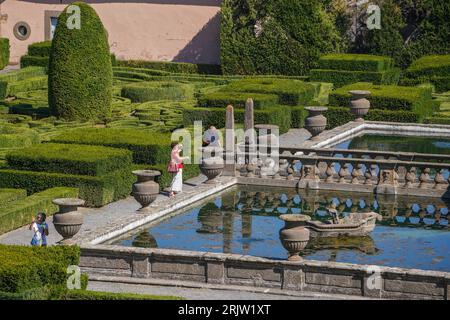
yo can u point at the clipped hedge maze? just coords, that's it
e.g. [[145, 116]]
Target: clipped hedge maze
[[434, 69], [343, 69]]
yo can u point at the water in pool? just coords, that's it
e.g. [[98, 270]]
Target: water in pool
[[413, 234], [374, 142]]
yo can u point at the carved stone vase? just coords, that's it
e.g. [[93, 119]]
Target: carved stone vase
[[211, 166], [316, 122], [294, 236], [68, 220], [359, 105], [146, 189]]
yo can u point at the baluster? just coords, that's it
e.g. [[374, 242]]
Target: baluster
[[343, 173], [437, 216], [439, 180], [330, 172], [356, 173], [370, 173], [290, 170], [424, 178], [422, 214], [410, 177]]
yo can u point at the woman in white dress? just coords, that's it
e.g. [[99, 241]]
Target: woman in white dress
[[177, 180]]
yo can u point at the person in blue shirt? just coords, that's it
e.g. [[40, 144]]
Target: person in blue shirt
[[40, 230]]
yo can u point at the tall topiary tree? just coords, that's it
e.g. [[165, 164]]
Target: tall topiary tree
[[80, 71]]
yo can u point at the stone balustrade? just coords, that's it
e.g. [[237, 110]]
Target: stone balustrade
[[381, 176]]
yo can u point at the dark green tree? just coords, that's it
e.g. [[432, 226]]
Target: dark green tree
[[80, 71]]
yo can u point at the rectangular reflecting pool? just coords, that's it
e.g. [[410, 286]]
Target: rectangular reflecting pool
[[414, 232], [377, 142]]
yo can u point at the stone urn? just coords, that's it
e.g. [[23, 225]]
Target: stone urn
[[68, 220], [146, 189], [316, 121], [294, 236], [213, 165], [359, 105], [144, 240]]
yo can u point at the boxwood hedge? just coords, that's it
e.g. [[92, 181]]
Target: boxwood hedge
[[96, 190], [8, 195], [222, 99], [4, 52], [434, 69], [24, 268], [355, 62], [290, 92], [80, 69], [174, 67], [157, 90], [18, 213], [394, 98], [12, 136], [343, 77], [70, 159], [148, 147], [17, 76]]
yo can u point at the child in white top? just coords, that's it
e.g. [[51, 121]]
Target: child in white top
[[40, 230]]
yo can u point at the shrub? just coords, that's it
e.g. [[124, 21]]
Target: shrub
[[275, 36], [154, 91], [174, 67], [8, 195], [237, 99], [355, 62], [18, 75], [94, 295], [276, 115], [70, 159], [290, 92], [437, 120], [30, 84], [28, 61], [96, 190], [80, 70], [15, 137], [147, 147], [434, 69], [298, 116], [40, 49], [417, 100], [344, 77], [24, 268], [4, 52], [20, 212]]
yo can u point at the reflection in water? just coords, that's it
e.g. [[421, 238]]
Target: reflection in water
[[145, 240], [414, 232]]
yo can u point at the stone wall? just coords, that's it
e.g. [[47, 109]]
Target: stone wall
[[172, 30], [233, 269]]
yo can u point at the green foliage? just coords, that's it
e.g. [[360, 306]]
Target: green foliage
[[147, 146], [409, 29], [4, 52], [290, 92], [355, 62], [434, 69], [173, 67], [15, 137], [8, 79], [70, 159], [154, 91], [28, 61], [344, 77], [80, 70], [96, 190], [276, 115], [291, 37], [29, 84], [40, 49], [94, 295], [8, 195], [415, 99], [25, 268], [222, 99], [438, 120], [18, 213]]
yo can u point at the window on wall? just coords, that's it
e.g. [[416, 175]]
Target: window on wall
[[53, 22]]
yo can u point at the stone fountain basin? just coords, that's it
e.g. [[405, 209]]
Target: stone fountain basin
[[356, 224], [72, 202]]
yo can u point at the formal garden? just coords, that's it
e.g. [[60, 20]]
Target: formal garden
[[75, 121]]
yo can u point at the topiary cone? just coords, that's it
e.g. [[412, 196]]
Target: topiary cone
[[80, 70]]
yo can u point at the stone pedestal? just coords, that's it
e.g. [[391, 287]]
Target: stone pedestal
[[359, 105], [68, 220], [316, 122], [230, 147]]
